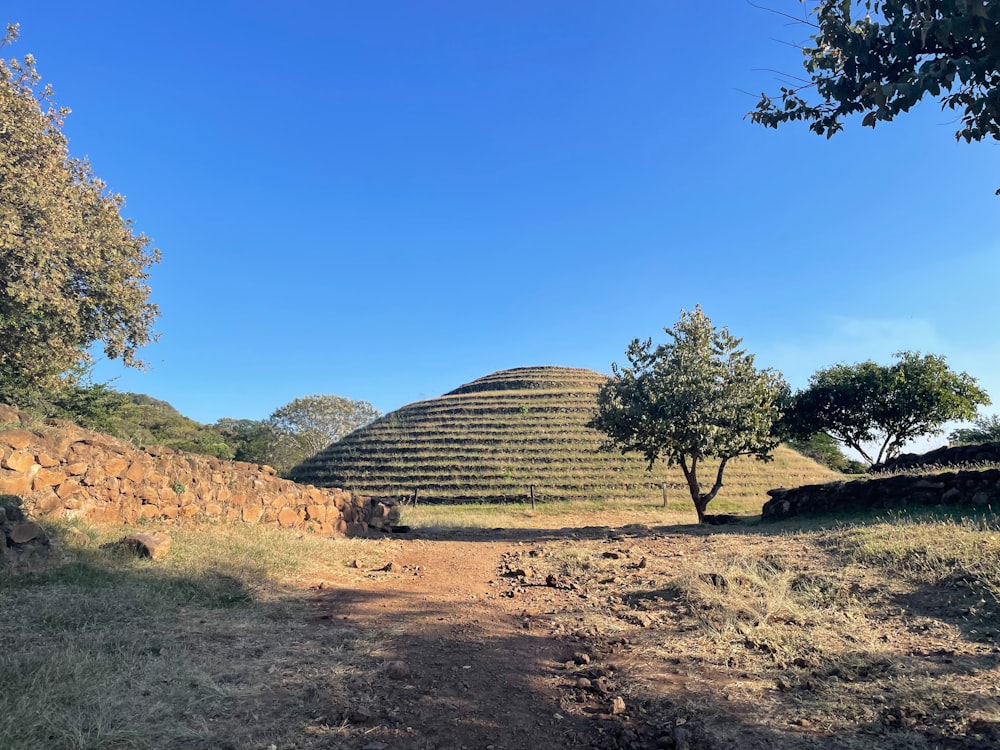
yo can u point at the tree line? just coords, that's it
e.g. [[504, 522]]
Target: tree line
[[700, 397], [290, 434]]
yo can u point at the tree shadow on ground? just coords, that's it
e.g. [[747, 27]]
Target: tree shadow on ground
[[466, 686], [131, 656]]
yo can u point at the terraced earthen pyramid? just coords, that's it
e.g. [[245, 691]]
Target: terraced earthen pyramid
[[493, 438]]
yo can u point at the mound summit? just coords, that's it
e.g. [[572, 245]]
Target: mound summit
[[493, 438]]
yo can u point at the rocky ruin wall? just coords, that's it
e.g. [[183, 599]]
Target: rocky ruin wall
[[60, 470], [980, 489]]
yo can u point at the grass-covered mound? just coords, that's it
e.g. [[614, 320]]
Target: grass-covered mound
[[493, 438]]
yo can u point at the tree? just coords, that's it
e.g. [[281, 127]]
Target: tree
[[880, 57], [313, 422], [985, 429], [885, 405], [72, 271], [696, 397], [251, 440], [823, 449]]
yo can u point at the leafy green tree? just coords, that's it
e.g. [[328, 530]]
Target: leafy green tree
[[150, 421], [697, 397], [251, 440], [985, 429], [884, 406], [93, 406], [72, 271], [823, 449], [309, 424], [878, 58]]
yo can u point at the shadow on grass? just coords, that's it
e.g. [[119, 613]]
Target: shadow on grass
[[466, 686], [114, 653], [107, 652]]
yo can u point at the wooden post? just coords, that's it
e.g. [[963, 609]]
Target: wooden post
[[416, 492], [532, 497], [663, 486]]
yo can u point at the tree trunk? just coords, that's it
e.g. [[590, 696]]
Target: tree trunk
[[699, 498], [700, 504], [691, 475]]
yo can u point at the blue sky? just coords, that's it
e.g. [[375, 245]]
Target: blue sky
[[384, 200]]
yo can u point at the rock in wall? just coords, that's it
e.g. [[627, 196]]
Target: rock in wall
[[60, 470], [972, 488]]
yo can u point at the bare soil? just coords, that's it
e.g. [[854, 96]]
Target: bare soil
[[680, 637]]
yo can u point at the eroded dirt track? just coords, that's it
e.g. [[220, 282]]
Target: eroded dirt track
[[586, 638], [465, 671]]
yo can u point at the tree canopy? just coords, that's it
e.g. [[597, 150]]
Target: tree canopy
[[309, 424], [823, 449], [72, 270], [868, 404], [697, 397], [985, 429], [878, 58]]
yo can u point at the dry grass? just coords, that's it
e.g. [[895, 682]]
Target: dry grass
[[560, 514], [876, 634], [743, 495], [209, 648]]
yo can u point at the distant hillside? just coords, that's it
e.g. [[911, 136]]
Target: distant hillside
[[145, 420], [493, 438]]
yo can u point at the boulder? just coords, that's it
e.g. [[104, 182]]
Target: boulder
[[153, 545]]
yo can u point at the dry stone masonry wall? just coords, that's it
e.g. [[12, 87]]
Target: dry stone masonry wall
[[980, 489], [60, 470]]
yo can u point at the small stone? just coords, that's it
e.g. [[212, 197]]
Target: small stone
[[583, 683], [397, 670], [581, 658], [618, 706], [46, 461], [642, 563], [25, 532], [355, 564], [153, 545], [613, 555], [17, 439], [19, 461]]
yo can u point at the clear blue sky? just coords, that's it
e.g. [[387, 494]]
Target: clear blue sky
[[384, 200]]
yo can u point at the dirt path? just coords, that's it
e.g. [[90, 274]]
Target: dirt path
[[642, 639], [471, 667]]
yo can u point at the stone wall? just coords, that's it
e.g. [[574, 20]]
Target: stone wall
[[959, 455], [60, 470], [980, 489]]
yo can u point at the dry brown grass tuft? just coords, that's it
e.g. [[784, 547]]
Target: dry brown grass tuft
[[212, 647], [878, 634]]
